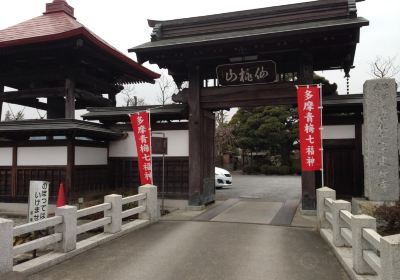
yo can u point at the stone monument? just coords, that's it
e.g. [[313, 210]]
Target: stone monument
[[380, 141]]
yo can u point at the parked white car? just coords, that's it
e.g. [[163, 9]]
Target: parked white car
[[223, 178]]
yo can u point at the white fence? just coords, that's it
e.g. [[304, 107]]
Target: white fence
[[67, 228], [372, 254]]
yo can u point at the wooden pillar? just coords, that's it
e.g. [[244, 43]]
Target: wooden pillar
[[14, 169], [70, 98], [310, 180], [195, 137], [359, 161], [55, 108], [1, 102], [113, 98], [69, 172]]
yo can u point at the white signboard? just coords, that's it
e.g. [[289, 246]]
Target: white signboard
[[38, 200]]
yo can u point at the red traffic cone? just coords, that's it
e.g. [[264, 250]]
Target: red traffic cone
[[61, 196]]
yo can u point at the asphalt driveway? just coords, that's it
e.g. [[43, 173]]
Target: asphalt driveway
[[262, 188]]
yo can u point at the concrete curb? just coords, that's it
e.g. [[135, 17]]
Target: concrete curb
[[344, 255], [54, 258]]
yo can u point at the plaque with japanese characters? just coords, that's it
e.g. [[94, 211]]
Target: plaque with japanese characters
[[309, 103], [260, 72], [38, 200]]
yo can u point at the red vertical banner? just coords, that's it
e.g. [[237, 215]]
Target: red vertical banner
[[142, 131], [309, 103]]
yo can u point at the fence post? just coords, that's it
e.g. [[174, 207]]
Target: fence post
[[323, 193], [68, 228], [6, 245], [390, 257], [358, 223], [339, 205], [115, 213], [152, 212]]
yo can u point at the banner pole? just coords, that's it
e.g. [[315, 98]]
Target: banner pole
[[322, 138]]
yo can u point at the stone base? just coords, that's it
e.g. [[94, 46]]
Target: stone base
[[196, 208], [305, 212], [174, 204]]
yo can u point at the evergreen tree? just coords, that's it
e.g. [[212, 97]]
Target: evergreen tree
[[269, 128]]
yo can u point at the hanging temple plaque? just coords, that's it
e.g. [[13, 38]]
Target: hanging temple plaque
[[248, 73]]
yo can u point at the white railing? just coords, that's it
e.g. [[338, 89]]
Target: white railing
[[67, 226], [372, 254]]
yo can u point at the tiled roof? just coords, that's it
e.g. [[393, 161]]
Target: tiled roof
[[56, 24], [47, 27], [57, 127], [158, 112]]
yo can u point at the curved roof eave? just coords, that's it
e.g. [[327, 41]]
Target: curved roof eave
[[146, 74]]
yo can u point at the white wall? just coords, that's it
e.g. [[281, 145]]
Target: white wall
[[39, 156], [123, 148], [6, 156], [91, 156], [339, 132], [178, 145]]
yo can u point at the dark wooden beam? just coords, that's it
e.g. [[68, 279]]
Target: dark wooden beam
[[113, 99], [31, 93], [115, 69], [310, 180], [33, 103], [1, 101], [69, 172], [248, 96], [97, 85], [70, 98], [12, 78], [359, 161], [282, 50], [195, 136], [14, 171], [93, 99], [55, 108]]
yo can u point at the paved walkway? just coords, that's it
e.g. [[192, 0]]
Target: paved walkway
[[236, 238], [260, 199], [263, 188], [205, 251]]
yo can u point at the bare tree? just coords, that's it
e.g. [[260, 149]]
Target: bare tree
[[220, 118], [167, 89], [10, 116], [130, 98], [384, 67], [41, 117], [224, 138]]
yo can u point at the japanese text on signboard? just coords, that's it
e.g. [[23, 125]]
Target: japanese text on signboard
[[247, 73], [38, 200], [141, 129], [308, 98]]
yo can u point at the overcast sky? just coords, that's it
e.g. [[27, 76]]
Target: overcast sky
[[123, 23]]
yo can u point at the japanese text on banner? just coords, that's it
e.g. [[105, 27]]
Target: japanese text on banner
[[309, 102], [142, 131]]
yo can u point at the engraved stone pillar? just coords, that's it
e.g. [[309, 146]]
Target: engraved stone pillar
[[380, 149]]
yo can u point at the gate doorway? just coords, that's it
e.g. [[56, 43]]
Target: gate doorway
[[299, 38]]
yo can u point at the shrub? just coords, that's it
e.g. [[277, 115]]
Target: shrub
[[283, 170], [251, 169], [389, 218], [264, 168]]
